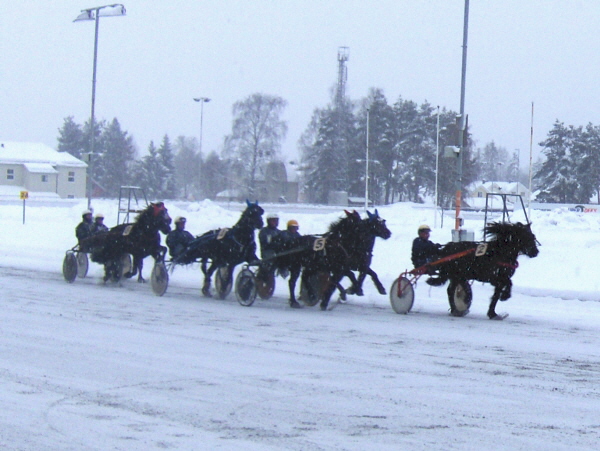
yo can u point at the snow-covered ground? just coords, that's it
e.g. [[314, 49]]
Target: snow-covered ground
[[88, 366]]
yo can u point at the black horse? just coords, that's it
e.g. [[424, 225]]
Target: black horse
[[314, 255], [225, 248], [140, 239], [494, 261], [361, 253]]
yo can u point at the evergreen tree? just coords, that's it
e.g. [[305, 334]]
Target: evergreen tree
[[188, 164], [494, 163], [165, 178], [115, 154], [557, 176], [586, 155], [71, 138], [148, 172]]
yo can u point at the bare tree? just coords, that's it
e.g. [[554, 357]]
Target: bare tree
[[257, 134]]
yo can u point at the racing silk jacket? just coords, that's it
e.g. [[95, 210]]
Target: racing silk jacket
[[266, 237], [177, 240], [423, 251]]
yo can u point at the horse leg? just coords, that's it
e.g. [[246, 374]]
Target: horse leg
[[355, 288], [294, 274], [334, 281], [140, 265], [492, 309], [374, 278], [207, 276]]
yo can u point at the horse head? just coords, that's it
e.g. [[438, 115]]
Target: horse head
[[252, 215], [158, 215], [517, 236], [376, 225]]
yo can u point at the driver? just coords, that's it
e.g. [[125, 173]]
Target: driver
[[85, 228], [178, 239], [423, 250]]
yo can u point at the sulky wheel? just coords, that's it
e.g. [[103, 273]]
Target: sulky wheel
[[312, 294], [70, 267], [460, 297], [402, 295], [159, 278], [265, 283], [82, 264], [245, 287], [223, 281]]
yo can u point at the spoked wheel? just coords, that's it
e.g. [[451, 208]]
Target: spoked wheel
[[460, 296], [82, 264], [70, 267], [245, 287], [402, 295], [159, 278], [265, 283], [223, 281], [317, 282]]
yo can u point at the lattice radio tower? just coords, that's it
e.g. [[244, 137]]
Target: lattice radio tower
[[343, 53]]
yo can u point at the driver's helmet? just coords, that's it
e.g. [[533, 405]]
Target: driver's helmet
[[424, 228], [85, 213], [99, 216]]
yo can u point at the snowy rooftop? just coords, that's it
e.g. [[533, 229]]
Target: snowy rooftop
[[23, 152]]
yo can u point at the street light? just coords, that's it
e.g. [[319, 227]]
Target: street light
[[94, 14], [367, 166], [202, 101], [437, 166]]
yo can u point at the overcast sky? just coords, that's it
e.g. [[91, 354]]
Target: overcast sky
[[152, 62]]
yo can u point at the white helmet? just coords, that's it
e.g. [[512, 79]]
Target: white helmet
[[272, 216]]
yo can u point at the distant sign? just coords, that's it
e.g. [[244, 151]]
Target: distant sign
[[24, 195]]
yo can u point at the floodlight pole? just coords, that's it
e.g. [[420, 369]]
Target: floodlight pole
[[367, 166], [461, 124], [94, 14], [437, 166], [202, 101]]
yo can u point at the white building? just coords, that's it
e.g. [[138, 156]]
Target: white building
[[477, 192], [37, 168]]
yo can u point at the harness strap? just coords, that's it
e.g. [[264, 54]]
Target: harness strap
[[514, 265]]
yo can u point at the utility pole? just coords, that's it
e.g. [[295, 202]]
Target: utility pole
[[461, 120]]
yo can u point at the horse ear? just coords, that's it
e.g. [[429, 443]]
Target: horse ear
[[371, 215], [347, 213], [376, 213], [247, 203]]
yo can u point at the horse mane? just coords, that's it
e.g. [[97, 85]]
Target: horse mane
[[505, 231]]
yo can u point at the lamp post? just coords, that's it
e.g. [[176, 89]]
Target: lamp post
[[461, 123], [94, 14], [437, 166], [202, 101], [367, 166]]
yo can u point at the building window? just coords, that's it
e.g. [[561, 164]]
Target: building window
[[71, 176], [44, 178], [10, 174], [71, 196], [479, 194]]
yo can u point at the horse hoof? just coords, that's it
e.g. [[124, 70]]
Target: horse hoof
[[458, 313], [206, 292], [323, 306], [141, 280], [295, 304], [382, 291]]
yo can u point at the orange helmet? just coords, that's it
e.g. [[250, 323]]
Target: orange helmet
[[292, 223]]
